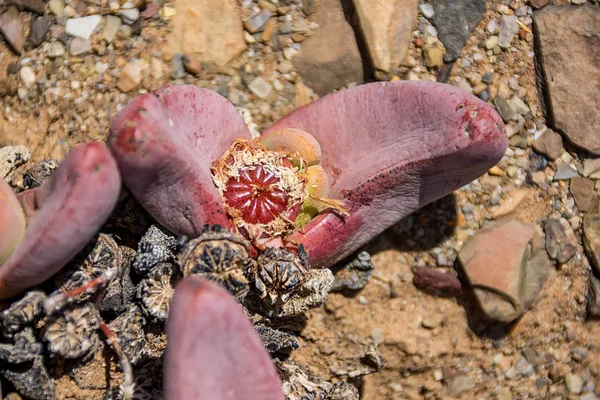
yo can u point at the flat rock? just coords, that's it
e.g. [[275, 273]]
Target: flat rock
[[509, 27], [209, 30], [39, 28], [584, 193], [565, 172], [387, 26], [569, 44], [506, 266], [79, 46], [549, 144], [455, 20], [591, 167], [82, 27], [260, 87], [593, 297], [13, 29], [591, 240], [561, 243], [330, 59], [111, 27]]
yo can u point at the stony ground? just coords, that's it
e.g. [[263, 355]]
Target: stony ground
[[437, 318]]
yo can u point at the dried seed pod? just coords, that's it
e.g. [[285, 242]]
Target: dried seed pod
[[73, 333], [279, 272], [22, 312], [106, 254], [156, 291], [129, 329], [220, 255]]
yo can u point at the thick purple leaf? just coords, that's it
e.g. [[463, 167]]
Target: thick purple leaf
[[213, 351], [389, 149], [63, 215], [165, 143]]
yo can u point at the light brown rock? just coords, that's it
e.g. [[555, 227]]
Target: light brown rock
[[387, 26], [13, 29], [130, 78], [569, 40], [330, 59], [584, 193], [511, 203], [208, 30], [506, 266], [549, 144], [591, 240]]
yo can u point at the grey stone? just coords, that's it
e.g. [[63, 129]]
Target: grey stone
[[569, 44], [504, 109], [561, 243], [426, 10], [455, 20], [79, 46], [260, 87], [154, 248], [330, 59], [39, 28], [565, 172], [129, 13], [257, 21], [518, 106], [509, 27]]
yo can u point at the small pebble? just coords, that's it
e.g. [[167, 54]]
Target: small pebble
[[426, 10]]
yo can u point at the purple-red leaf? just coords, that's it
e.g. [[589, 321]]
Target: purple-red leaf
[[213, 351], [63, 215], [165, 143]]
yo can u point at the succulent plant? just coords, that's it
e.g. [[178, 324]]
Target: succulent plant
[[326, 178], [61, 216], [386, 149]]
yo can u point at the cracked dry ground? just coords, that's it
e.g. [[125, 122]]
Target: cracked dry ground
[[390, 339]]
